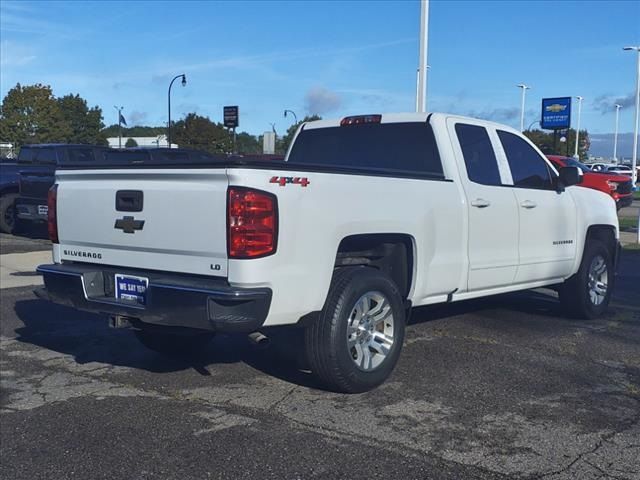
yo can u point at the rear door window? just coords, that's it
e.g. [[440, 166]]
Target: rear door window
[[385, 147], [45, 156], [479, 157], [528, 168], [126, 157], [81, 155]]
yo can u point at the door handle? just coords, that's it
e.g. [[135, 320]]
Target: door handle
[[528, 204], [480, 203]]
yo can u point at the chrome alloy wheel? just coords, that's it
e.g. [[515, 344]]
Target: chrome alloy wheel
[[370, 331], [598, 280]]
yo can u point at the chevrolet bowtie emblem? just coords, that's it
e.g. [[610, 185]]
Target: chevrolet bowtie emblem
[[129, 224]]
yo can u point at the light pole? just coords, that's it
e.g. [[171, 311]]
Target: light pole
[[119, 109], [184, 82], [524, 90], [575, 152], [428, 67], [634, 154], [421, 102], [615, 135], [292, 113]]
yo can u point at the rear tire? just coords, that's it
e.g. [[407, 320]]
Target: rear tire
[[7, 212], [168, 343], [354, 344], [586, 294]]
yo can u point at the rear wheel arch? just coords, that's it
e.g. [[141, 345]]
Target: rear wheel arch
[[391, 253]]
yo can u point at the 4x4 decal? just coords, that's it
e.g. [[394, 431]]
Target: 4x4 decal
[[283, 181]]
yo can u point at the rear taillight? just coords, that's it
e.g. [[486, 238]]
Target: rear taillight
[[52, 213], [252, 223]]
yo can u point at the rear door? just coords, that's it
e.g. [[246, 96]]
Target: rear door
[[547, 233], [159, 219], [492, 210]]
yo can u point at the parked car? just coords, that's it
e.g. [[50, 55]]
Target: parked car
[[618, 186], [368, 216], [600, 167], [620, 170]]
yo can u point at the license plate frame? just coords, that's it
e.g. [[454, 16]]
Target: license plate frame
[[131, 288]]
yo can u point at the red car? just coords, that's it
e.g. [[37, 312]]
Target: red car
[[618, 186]]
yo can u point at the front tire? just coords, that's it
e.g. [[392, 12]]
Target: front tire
[[171, 344], [354, 344], [587, 294]]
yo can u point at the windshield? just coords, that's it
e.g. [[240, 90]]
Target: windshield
[[574, 163]]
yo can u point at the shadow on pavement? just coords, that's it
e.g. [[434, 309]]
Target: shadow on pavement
[[88, 338]]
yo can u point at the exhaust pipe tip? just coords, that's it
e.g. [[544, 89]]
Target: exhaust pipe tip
[[259, 340]]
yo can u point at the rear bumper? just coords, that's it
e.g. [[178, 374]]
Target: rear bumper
[[32, 209], [171, 300]]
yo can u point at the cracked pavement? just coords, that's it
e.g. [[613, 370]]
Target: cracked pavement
[[498, 388]]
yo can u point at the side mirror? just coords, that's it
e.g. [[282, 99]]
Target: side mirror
[[569, 176]]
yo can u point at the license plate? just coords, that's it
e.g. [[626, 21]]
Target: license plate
[[131, 288], [43, 209]]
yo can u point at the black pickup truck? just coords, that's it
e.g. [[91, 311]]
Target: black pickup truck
[[37, 165]]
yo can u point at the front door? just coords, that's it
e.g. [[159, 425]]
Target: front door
[[547, 236]]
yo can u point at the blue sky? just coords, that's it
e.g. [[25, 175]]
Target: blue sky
[[333, 58]]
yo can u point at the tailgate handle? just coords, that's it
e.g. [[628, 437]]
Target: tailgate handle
[[129, 200]]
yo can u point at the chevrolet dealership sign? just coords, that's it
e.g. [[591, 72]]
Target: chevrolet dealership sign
[[556, 113]]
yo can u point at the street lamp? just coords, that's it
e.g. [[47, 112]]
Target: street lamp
[[119, 109], [615, 135], [575, 152], [292, 113], [184, 82], [524, 90]]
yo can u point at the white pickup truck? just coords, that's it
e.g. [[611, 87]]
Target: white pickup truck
[[367, 217]]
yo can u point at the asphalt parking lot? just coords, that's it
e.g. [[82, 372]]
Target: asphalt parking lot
[[502, 387]]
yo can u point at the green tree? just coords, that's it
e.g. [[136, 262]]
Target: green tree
[[282, 145], [545, 141], [130, 143], [31, 114], [85, 124], [195, 131], [247, 144]]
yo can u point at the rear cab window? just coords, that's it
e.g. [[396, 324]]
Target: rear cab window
[[395, 148]]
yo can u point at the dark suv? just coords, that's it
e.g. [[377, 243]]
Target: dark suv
[[37, 165]]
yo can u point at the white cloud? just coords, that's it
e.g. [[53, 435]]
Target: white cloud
[[319, 101], [15, 55]]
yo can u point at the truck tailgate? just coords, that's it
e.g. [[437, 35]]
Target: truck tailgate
[[180, 225]]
